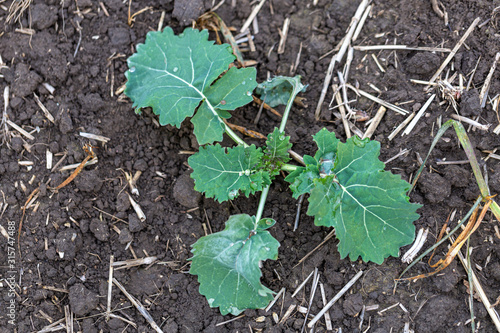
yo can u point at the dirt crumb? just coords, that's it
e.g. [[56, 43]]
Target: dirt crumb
[[88, 181], [88, 326], [458, 176], [449, 278], [100, 229], [134, 223], [436, 314], [68, 242], [122, 202], [353, 304], [25, 81], [435, 187], [184, 192], [470, 105], [188, 10], [119, 36], [82, 300], [65, 122], [43, 16], [423, 63], [125, 236]]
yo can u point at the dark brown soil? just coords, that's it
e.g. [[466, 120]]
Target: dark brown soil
[[86, 69]]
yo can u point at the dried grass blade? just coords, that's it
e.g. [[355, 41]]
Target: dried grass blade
[[378, 100], [230, 39], [266, 106], [471, 227], [400, 47], [142, 310], [338, 57], [345, 122], [460, 223], [455, 49], [486, 86], [469, 151], [254, 13], [45, 111], [335, 299]]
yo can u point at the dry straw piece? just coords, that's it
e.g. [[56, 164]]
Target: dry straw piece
[[455, 49], [337, 58]]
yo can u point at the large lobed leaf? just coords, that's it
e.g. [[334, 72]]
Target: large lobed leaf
[[227, 264], [350, 191], [173, 74], [223, 172]]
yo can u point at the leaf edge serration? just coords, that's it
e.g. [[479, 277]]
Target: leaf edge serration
[[307, 179], [246, 237], [253, 179], [158, 78]]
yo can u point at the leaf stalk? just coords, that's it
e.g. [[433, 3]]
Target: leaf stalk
[[287, 110], [288, 167], [262, 203], [234, 136]]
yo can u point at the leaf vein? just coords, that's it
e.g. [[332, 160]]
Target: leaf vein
[[375, 215]]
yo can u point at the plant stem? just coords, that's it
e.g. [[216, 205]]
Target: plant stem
[[227, 129], [234, 136], [262, 203], [288, 167], [287, 111]]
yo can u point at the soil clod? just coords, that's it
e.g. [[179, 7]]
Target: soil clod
[[184, 192], [82, 300]]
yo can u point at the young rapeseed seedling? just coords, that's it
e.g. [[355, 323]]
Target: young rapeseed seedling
[[178, 76]]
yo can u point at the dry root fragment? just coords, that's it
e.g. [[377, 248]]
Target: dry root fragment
[[246, 131], [4, 129], [440, 10], [90, 155], [212, 21], [17, 9], [450, 93]]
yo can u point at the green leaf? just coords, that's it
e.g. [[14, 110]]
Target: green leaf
[[207, 126], [265, 223], [223, 172], [174, 74], [277, 91], [276, 152], [350, 191], [327, 143], [277, 146], [302, 180], [309, 160], [227, 264], [375, 217], [324, 200]]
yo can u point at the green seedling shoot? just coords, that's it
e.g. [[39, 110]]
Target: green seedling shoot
[[180, 77]]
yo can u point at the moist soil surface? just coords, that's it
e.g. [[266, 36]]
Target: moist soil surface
[[67, 236]]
